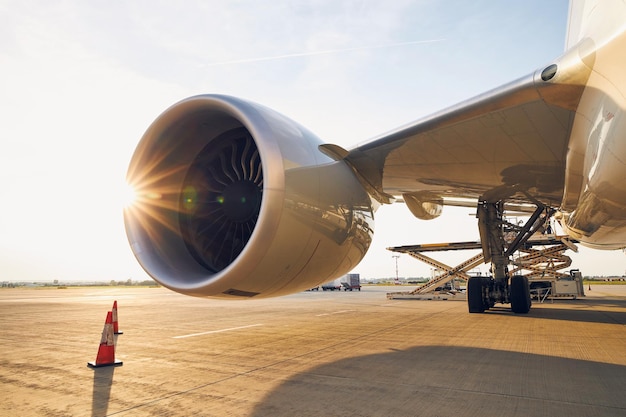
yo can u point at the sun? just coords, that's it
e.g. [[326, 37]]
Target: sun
[[128, 195]]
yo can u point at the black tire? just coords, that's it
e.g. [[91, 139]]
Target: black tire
[[520, 295], [475, 302]]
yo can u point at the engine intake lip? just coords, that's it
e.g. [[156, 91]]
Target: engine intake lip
[[160, 171]]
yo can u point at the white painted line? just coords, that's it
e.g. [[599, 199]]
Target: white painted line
[[216, 331], [336, 312]]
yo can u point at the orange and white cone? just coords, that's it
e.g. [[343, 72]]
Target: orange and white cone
[[116, 329], [106, 351]]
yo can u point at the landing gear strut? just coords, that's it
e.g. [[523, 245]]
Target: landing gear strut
[[500, 239]]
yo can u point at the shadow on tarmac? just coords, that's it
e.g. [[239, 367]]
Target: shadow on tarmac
[[597, 312], [102, 381], [452, 381], [595, 316]]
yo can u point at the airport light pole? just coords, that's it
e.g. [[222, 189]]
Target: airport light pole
[[396, 257]]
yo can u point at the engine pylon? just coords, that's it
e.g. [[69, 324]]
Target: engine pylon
[[106, 350]]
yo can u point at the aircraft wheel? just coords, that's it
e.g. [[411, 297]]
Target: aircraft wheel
[[520, 295], [475, 302], [488, 300]]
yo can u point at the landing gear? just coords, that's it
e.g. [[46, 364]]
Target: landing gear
[[475, 295], [483, 293], [499, 241], [520, 295], [480, 292]]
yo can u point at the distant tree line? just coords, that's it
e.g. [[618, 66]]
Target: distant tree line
[[130, 282], [60, 284]]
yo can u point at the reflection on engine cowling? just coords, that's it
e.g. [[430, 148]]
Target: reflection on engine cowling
[[236, 200]]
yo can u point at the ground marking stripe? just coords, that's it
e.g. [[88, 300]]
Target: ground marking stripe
[[216, 331], [336, 312]]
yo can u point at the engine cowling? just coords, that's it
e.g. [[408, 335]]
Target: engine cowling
[[236, 200]]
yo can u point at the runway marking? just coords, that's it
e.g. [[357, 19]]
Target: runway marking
[[336, 312], [216, 331]]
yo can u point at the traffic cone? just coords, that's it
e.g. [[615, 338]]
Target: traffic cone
[[116, 330], [106, 351]]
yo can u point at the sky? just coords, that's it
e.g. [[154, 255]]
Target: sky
[[81, 81]]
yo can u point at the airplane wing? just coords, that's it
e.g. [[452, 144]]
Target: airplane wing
[[513, 138], [238, 201]]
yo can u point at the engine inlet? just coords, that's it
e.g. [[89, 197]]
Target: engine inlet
[[221, 199]]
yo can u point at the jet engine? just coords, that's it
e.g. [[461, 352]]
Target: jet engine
[[235, 200]]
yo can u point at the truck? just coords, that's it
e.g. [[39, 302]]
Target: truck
[[351, 282], [332, 285]]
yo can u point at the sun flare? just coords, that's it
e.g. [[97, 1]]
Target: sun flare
[[128, 195]]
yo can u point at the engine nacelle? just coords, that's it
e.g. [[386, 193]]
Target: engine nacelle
[[236, 200]]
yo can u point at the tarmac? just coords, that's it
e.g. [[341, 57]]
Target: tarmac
[[310, 354]]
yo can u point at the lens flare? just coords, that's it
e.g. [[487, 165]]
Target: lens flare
[[128, 195]]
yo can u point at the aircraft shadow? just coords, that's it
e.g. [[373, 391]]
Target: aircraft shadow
[[600, 311], [452, 381], [595, 316]]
